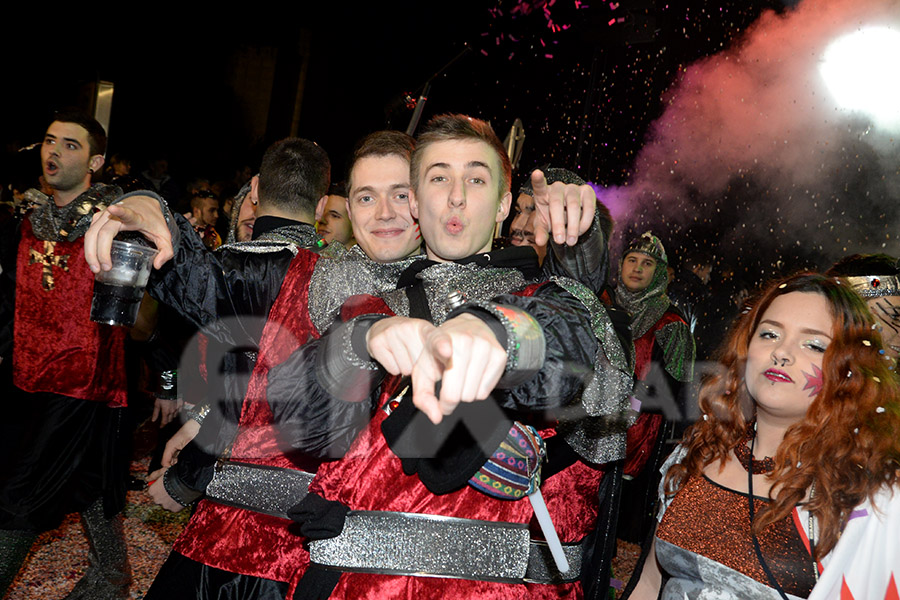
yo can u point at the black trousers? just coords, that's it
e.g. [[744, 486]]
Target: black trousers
[[181, 578], [62, 454]]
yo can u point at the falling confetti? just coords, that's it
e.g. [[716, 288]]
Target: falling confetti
[[706, 124]]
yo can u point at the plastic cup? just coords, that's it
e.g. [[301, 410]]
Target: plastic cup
[[118, 292]]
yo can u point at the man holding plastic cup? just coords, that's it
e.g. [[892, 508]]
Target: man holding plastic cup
[[68, 371]]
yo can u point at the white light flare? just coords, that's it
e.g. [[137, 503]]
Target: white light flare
[[862, 71]]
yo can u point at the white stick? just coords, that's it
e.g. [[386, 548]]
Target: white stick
[[546, 523]]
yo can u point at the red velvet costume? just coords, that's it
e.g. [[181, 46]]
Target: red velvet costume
[[247, 542], [643, 434], [370, 477], [58, 348], [62, 427], [69, 373], [239, 540]]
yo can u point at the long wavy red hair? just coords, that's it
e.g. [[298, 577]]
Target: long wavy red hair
[[849, 441]]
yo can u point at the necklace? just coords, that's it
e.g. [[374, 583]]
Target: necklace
[[745, 455], [759, 555]]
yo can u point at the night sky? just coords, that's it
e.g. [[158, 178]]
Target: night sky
[[585, 90], [668, 106]]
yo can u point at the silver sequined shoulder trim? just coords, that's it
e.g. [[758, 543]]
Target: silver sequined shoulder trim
[[55, 224], [302, 234], [600, 437], [351, 273], [473, 281], [288, 237], [260, 247]]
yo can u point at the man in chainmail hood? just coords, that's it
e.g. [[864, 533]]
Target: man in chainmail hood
[[664, 363], [243, 216]]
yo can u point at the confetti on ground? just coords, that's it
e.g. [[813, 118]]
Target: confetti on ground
[[59, 558], [627, 555]]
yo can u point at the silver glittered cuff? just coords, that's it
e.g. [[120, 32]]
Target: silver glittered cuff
[[525, 345], [343, 360], [198, 415]]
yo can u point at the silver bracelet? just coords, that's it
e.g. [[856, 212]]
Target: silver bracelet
[[198, 415]]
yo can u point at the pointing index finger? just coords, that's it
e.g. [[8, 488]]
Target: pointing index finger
[[425, 377], [539, 184]]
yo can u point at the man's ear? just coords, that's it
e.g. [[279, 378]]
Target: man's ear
[[503, 209], [320, 207], [253, 194], [347, 207], [413, 205], [96, 163]]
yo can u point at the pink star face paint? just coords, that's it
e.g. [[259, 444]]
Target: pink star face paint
[[814, 382]]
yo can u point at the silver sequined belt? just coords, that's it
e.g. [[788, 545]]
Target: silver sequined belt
[[396, 543], [268, 490]]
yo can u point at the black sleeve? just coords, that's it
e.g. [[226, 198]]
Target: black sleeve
[[191, 474], [326, 389], [321, 408], [164, 350], [310, 419], [204, 286], [569, 349], [587, 262]]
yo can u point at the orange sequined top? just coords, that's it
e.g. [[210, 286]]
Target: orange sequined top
[[713, 521]]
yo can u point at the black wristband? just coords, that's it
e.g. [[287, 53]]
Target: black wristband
[[179, 492]]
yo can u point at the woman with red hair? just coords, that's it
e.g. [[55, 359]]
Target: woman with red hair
[[788, 485]]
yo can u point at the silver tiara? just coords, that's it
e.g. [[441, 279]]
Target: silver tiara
[[875, 286]]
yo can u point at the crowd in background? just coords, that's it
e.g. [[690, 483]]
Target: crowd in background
[[680, 308]]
